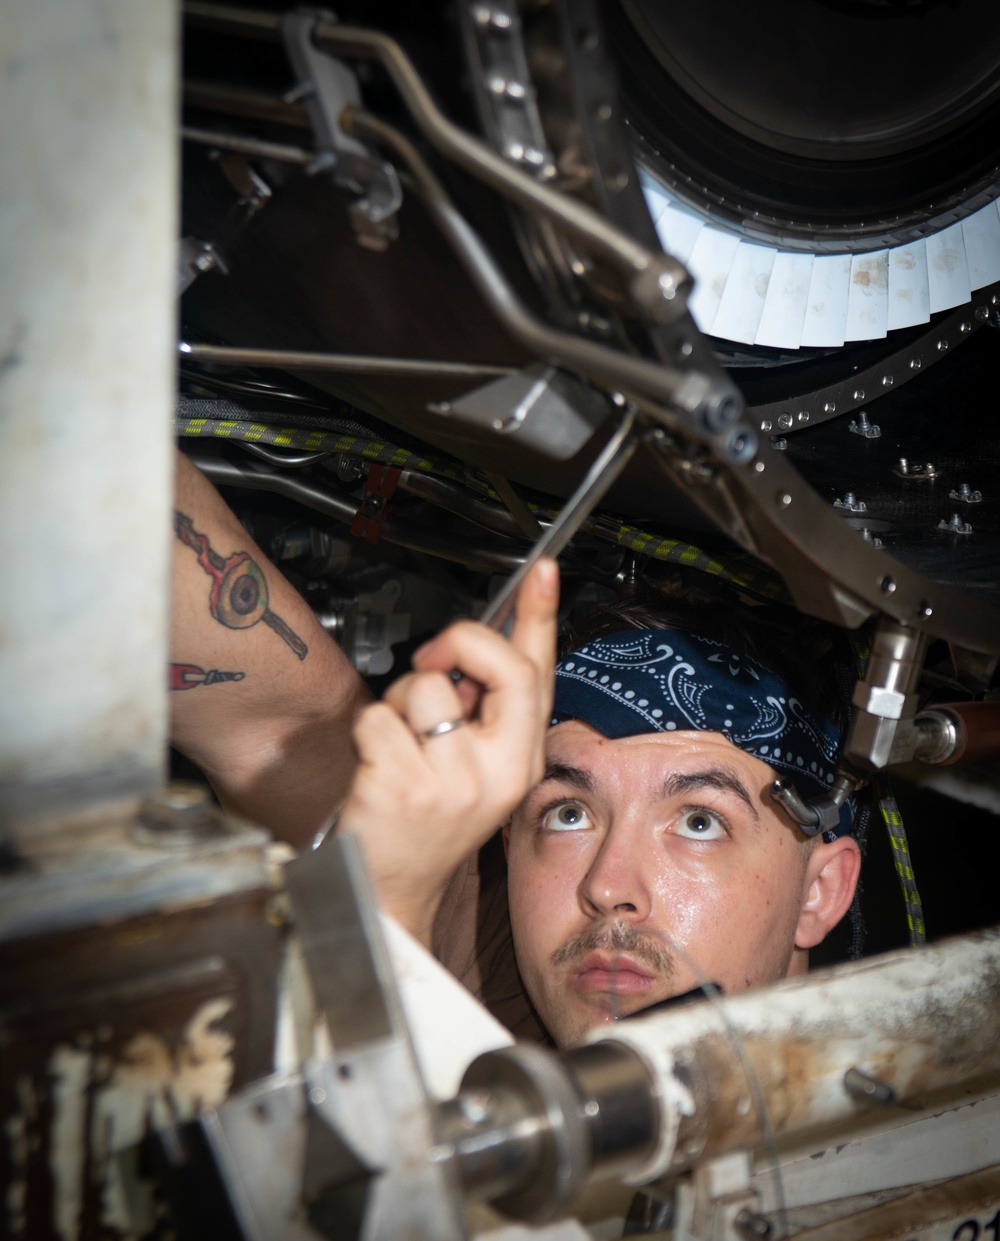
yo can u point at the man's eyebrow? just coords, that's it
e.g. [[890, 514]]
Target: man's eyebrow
[[576, 777], [721, 778]]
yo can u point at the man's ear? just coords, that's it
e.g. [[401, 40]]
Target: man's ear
[[831, 877]]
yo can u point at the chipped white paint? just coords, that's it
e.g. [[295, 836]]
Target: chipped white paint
[[87, 239], [148, 1086], [16, 1128], [70, 1070]]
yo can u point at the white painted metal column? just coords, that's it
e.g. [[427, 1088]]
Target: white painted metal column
[[88, 194]]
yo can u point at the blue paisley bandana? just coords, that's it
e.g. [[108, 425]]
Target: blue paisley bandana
[[658, 680]]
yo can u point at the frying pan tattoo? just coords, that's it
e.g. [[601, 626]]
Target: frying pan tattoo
[[238, 596]]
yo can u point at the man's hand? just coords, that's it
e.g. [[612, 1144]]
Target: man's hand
[[420, 802]]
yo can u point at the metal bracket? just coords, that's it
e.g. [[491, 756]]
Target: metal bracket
[[543, 408], [327, 87], [371, 1092], [380, 487]]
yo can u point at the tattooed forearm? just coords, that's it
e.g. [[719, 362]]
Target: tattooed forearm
[[238, 594], [187, 676]]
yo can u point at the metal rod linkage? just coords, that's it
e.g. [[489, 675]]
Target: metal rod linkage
[[663, 282], [339, 363], [247, 146]]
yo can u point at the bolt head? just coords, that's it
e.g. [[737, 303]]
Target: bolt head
[[179, 812]]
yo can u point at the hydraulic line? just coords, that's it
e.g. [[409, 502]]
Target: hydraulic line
[[414, 538]]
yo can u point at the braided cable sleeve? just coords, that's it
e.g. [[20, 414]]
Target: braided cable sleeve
[[904, 867]]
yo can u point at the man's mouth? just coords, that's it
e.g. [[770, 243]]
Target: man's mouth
[[612, 973]]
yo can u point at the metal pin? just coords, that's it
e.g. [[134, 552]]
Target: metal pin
[[861, 426], [966, 494], [752, 1224], [867, 1089]]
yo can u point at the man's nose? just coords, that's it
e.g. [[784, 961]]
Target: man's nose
[[614, 885]]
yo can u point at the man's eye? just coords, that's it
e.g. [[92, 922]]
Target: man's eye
[[568, 816], [700, 825]]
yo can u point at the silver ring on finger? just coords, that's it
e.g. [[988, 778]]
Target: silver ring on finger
[[439, 730]]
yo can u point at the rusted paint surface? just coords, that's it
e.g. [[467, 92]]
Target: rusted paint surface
[[112, 1031], [922, 1021]]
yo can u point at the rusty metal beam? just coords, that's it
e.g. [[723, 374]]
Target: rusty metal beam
[[919, 1025]]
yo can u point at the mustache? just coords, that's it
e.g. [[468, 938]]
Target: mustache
[[617, 936]]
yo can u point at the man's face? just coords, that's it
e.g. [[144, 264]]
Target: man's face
[[642, 866]]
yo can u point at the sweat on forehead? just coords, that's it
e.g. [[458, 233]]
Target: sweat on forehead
[[657, 680]]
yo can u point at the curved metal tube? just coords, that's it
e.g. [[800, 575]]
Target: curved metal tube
[[275, 456], [693, 393], [448, 496], [229, 474], [669, 281], [247, 146]]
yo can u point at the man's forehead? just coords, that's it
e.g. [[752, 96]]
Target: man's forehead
[[576, 745]]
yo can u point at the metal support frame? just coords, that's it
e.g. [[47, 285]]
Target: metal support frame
[[86, 381]]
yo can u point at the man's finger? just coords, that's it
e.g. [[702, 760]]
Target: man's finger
[[536, 620], [380, 732], [427, 700]]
